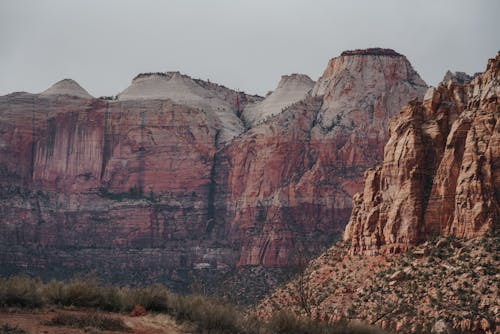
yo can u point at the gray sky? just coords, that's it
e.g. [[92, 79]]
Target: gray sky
[[242, 44]]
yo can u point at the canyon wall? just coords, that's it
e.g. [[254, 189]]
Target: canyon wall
[[168, 178], [287, 193], [441, 169]]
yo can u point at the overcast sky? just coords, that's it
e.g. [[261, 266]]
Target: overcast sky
[[242, 44]]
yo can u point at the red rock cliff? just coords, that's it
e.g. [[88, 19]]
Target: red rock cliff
[[289, 180], [167, 180], [441, 170]]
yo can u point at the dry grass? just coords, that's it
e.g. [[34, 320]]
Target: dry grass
[[206, 315]]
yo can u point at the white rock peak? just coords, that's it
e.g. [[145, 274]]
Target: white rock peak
[[291, 88], [182, 89], [67, 87]]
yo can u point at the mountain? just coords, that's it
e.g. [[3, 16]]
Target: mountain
[[441, 170], [291, 88], [420, 252], [165, 183], [67, 87], [215, 100], [286, 184]]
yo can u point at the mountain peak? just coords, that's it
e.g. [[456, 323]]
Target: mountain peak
[[295, 79], [291, 88], [67, 87], [458, 77], [372, 52]]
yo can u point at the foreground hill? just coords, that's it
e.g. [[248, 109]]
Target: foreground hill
[[420, 252]]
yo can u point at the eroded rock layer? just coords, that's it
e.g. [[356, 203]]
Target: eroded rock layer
[[286, 184], [165, 180], [441, 170]]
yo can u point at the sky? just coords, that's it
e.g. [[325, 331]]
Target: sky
[[242, 44]]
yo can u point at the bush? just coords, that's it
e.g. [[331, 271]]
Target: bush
[[207, 314], [20, 291], [153, 298]]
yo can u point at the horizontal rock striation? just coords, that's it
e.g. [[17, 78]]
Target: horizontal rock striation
[[167, 179], [285, 186]]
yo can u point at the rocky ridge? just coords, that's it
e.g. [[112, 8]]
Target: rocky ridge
[[291, 88], [441, 172]]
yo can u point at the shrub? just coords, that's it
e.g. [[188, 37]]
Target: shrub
[[20, 291], [152, 298]]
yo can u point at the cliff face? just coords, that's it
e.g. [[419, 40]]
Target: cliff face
[[287, 192], [441, 171], [113, 186], [165, 180]]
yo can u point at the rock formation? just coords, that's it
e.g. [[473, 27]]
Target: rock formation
[[286, 184], [184, 90], [166, 181], [291, 88], [441, 170], [120, 187], [67, 87]]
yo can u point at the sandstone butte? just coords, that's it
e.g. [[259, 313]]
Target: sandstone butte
[[441, 169], [174, 178]]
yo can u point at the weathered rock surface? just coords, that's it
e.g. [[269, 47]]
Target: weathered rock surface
[[220, 103], [441, 170], [291, 88], [67, 87], [115, 186], [164, 181], [287, 192]]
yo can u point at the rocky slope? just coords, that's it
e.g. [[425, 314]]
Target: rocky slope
[[163, 182], [446, 285], [441, 171]]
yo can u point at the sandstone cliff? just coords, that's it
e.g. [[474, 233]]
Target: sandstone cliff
[[120, 187], [441, 172], [165, 180], [286, 184]]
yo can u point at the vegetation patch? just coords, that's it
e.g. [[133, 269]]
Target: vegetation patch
[[206, 314]]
